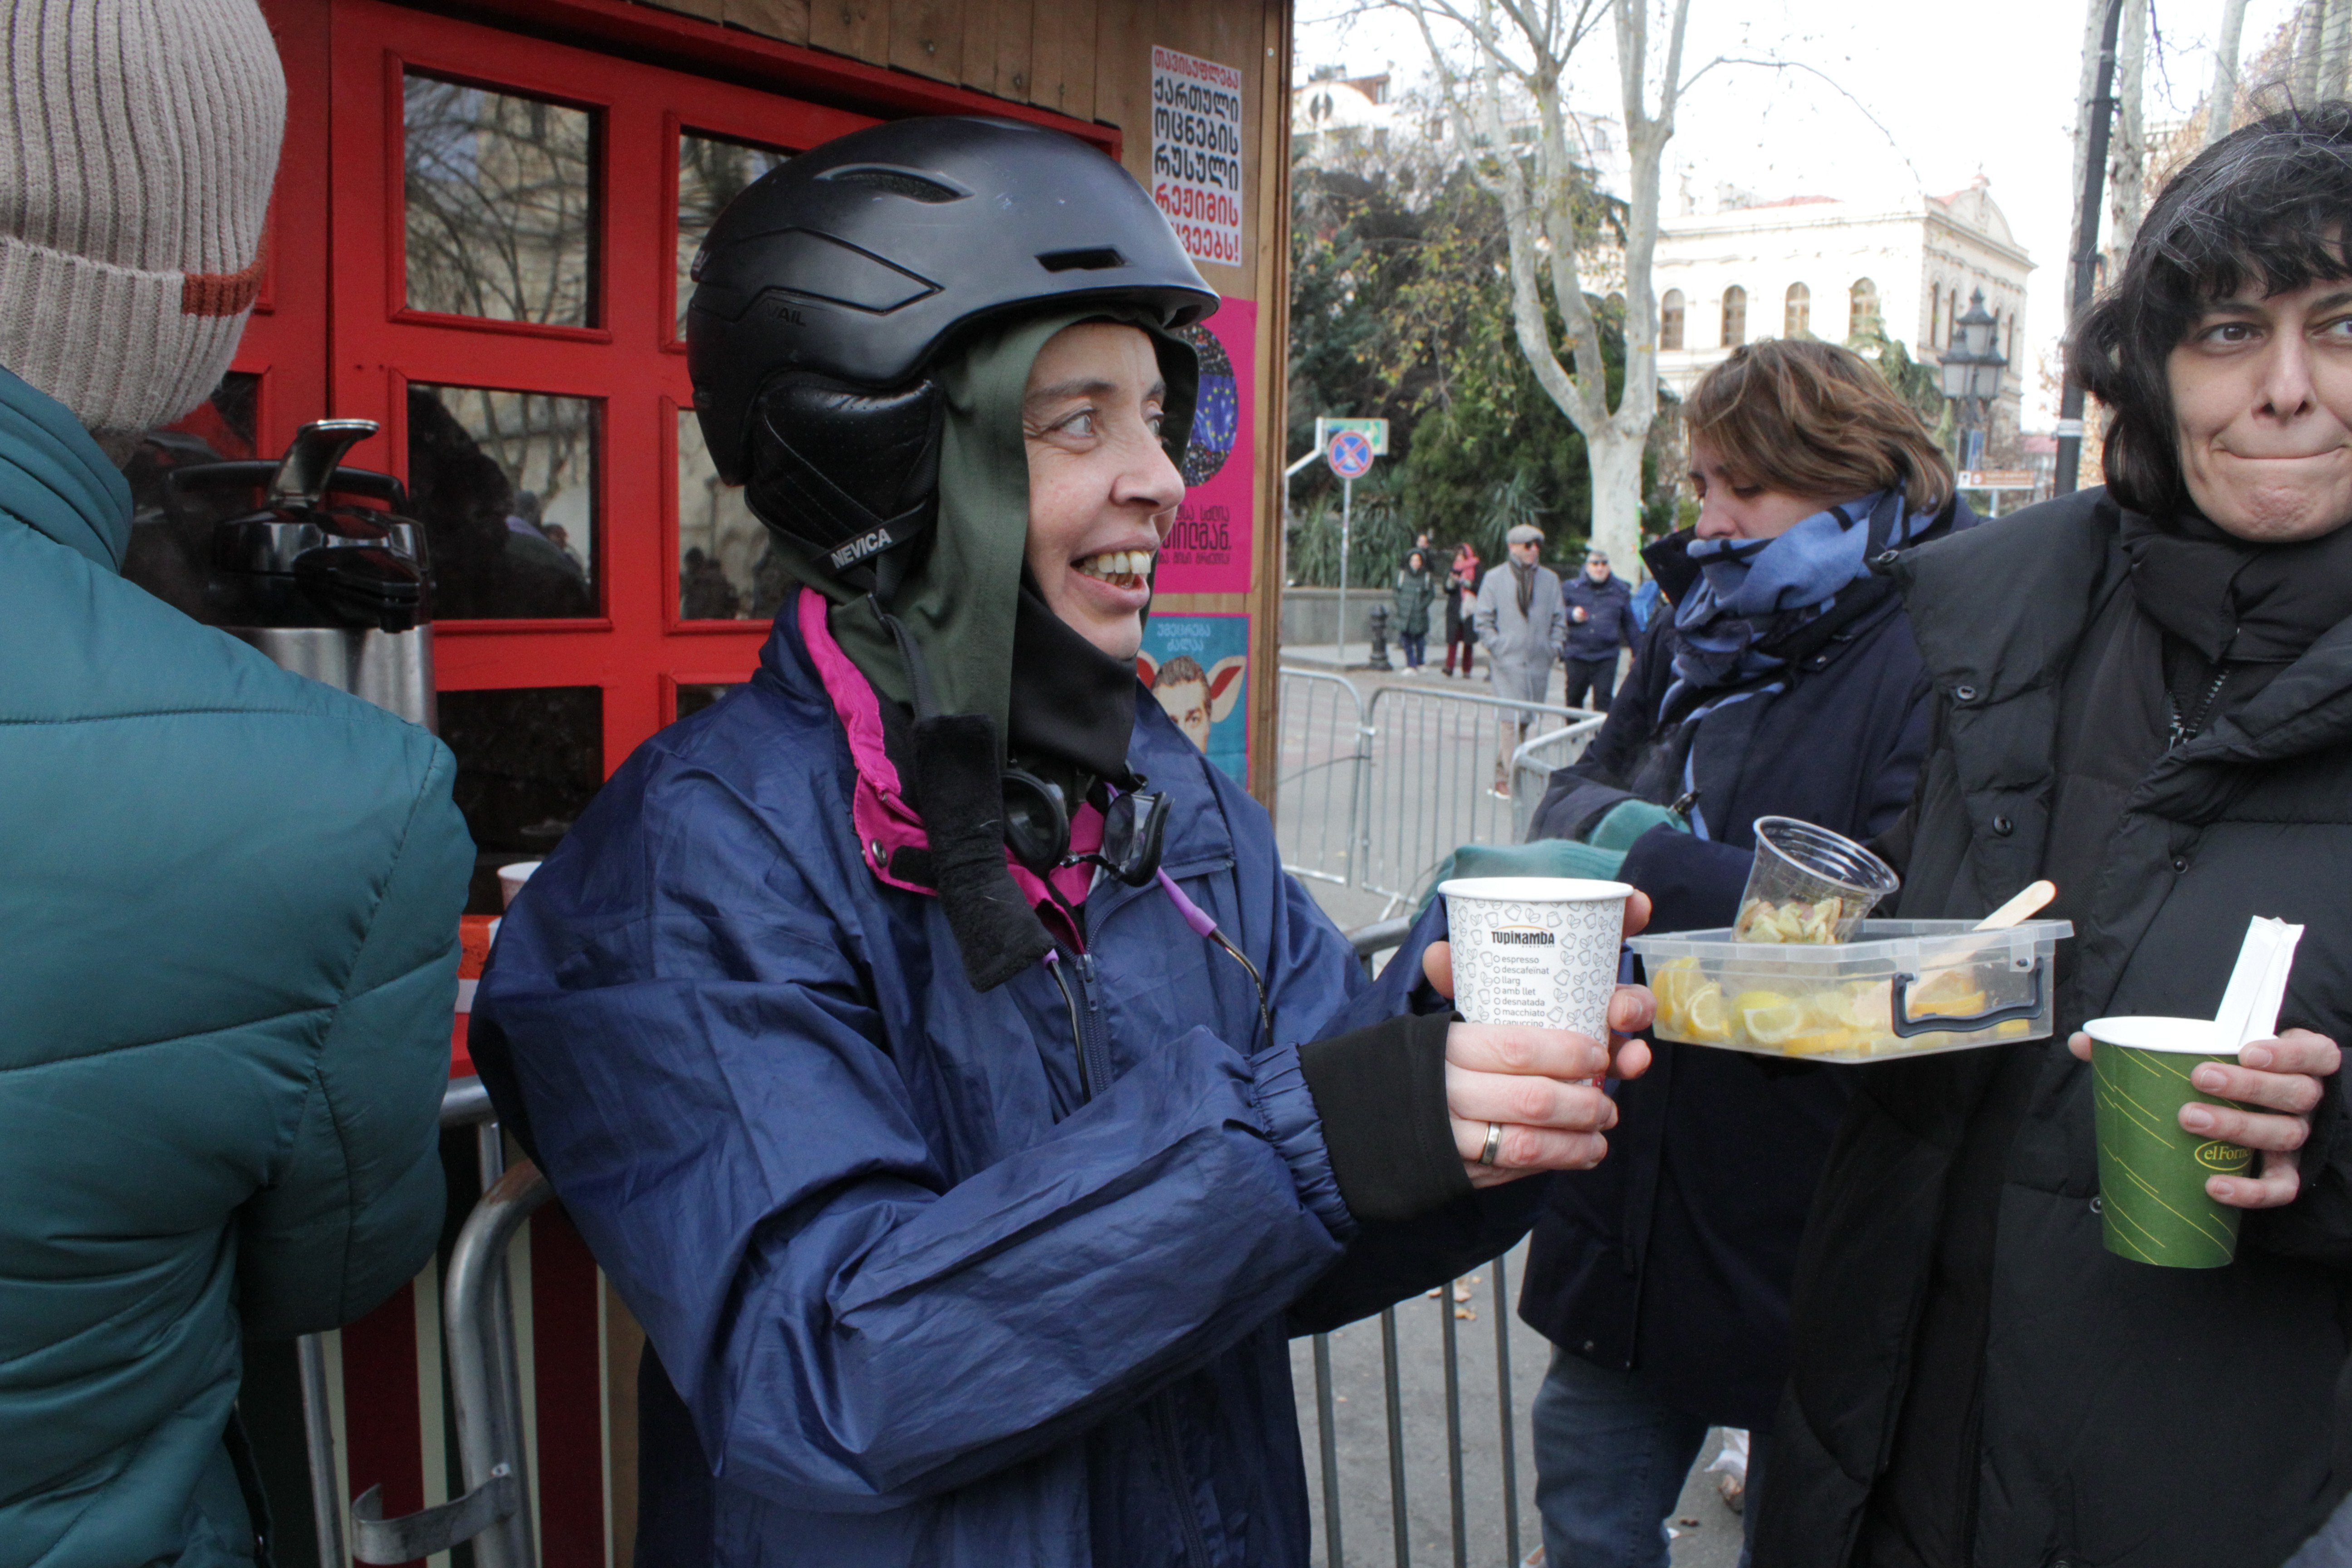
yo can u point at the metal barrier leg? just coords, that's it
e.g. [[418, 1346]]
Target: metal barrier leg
[[484, 1382], [505, 1361], [1396, 1439], [1453, 1423], [494, 1512], [318, 1446], [1330, 1443]]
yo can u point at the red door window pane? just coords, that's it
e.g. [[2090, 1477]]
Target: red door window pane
[[711, 172], [500, 196], [505, 483]]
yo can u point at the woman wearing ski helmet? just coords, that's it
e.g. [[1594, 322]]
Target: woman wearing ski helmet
[[925, 1038]]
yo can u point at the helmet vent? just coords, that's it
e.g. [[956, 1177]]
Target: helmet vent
[[1095, 260], [897, 182]]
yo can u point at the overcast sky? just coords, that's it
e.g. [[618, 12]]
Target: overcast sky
[[1953, 91]]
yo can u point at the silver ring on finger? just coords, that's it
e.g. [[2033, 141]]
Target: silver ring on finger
[[1494, 1143]]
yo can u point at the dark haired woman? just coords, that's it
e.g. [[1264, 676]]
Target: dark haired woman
[[1415, 586], [1462, 608], [2144, 693], [1788, 683]]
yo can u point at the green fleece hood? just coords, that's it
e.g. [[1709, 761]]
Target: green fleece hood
[[960, 602]]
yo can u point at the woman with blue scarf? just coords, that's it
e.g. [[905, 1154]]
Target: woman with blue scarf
[[1793, 688]]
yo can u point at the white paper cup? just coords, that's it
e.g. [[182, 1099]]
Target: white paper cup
[[512, 878], [1538, 951]]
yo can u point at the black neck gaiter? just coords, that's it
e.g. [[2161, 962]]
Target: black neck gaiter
[[1072, 708], [2228, 599]]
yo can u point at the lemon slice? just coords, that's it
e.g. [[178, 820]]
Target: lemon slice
[[1709, 1017], [1821, 1042], [1953, 993], [1674, 984], [1873, 1005], [1771, 1026], [1831, 1009]]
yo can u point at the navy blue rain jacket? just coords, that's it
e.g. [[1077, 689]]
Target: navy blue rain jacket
[[1673, 1258], [1608, 623], [920, 1300]]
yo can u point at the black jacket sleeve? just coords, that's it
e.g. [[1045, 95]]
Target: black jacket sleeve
[[1381, 1093]]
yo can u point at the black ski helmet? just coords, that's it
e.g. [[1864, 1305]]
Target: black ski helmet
[[825, 291]]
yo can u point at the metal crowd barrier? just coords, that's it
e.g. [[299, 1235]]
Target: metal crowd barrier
[[1375, 794], [485, 1386], [1320, 778], [1370, 941], [1533, 765]]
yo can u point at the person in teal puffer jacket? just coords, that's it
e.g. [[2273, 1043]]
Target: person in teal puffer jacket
[[228, 896]]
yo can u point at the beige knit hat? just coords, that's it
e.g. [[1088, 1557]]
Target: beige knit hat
[[137, 148]]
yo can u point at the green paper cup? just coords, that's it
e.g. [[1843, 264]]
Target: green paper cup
[[2152, 1171]]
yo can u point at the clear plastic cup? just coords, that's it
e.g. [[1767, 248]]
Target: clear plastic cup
[[1809, 884]]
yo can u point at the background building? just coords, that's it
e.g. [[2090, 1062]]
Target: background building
[[1828, 266]]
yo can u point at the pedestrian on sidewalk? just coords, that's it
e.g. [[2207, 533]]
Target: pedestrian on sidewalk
[[1786, 682], [1416, 585], [1461, 607], [1599, 625], [1524, 625], [2142, 693], [229, 895]]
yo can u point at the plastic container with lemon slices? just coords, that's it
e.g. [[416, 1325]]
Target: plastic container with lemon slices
[[1901, 988]]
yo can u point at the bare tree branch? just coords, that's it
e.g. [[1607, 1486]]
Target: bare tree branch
[[1513, 73]]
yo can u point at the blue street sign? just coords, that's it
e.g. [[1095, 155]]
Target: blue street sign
[[1350, 455]]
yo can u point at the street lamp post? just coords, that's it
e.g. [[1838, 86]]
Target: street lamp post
[[1972, 368]]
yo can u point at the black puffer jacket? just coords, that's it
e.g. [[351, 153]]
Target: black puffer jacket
[[2121, 1414]]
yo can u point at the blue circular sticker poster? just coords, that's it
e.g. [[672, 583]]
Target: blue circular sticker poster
[[1217, 415]]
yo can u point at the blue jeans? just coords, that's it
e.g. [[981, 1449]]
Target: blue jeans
[[1416, 647], [1610, 1461]]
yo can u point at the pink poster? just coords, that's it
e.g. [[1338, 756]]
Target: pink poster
[[1209, 549]]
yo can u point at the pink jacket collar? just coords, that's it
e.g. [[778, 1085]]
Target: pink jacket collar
[[886, 823]]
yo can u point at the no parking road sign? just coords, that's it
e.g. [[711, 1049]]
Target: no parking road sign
[[1350, 455]]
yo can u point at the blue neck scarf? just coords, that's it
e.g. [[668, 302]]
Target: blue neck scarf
[[1753, 592]]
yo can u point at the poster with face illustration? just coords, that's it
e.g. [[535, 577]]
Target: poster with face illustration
[[1198, 666], [1208, 549]]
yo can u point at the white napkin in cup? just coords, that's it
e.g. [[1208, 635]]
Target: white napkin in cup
[[2249, 1005]]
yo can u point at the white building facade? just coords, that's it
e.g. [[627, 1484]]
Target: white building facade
[[1822, 266]]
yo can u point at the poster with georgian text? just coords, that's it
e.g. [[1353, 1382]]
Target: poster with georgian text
[[1196, 153], [1198, 669], [1207, 550]]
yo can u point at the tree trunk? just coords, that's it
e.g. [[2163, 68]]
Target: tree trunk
[[2128, 158], [1614, 456], [2094, 16], [2221, 105], [2304, 79], [2334, 45]]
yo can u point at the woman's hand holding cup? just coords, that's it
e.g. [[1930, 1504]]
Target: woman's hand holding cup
[[2280, 1083], [1542, 1087]]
